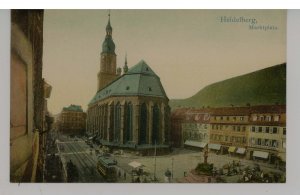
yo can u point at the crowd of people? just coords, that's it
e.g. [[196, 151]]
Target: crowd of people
[[245, 174], [256, 175]]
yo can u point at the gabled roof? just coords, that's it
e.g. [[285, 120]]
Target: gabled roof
[[140, 80]]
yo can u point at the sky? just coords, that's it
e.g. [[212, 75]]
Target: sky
[[187, 49]]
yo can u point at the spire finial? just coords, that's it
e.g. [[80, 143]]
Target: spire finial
[[125, 68], [108, 26]]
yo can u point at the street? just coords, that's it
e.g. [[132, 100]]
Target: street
[[79, 153]]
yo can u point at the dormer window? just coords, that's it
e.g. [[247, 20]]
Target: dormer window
[[149, 88], [127, 88], [276, 118], [254, 118], [147, 69]]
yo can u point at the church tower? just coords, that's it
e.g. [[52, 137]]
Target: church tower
[[108, 61]]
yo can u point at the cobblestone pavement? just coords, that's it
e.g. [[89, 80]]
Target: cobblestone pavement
[[178, 162], [184, 161]]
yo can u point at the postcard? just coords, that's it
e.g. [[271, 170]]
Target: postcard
[[148, 96]]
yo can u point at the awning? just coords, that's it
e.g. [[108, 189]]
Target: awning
[[135, 164], [261, 154], [195, 143], [241, 150], [231, 149], [214, 146]]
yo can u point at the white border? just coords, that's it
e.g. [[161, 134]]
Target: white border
[[293, 161], [4, 97]]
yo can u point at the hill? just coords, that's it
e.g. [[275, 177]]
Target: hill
[[262, 87]]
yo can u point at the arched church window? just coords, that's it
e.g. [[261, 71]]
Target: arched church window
[[155, 124], [117, 122], [128, 134], [143, 124]]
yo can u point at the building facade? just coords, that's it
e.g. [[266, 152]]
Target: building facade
[[267, 135], [177, 118], [130, 110], [196, 128], [28, 100], [229, 129], [72, 120], [252, 132]]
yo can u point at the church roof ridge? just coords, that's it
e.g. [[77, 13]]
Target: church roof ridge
[[139, 80], [141, 68]]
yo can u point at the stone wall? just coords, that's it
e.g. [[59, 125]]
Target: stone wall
[[100, 116]]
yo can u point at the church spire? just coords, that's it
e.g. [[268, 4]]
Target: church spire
[[108, 45], [125, 68], [108, 26]]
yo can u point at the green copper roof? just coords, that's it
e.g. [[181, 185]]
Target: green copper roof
[[140, 80], [73, 107], [141, 68], [108, 45]]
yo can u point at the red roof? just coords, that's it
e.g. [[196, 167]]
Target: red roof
[[192, 115], [201, 114], [197, 117], [268, 109], [179, 113], [231, 111]]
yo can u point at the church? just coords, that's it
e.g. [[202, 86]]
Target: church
[[129, 111]]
